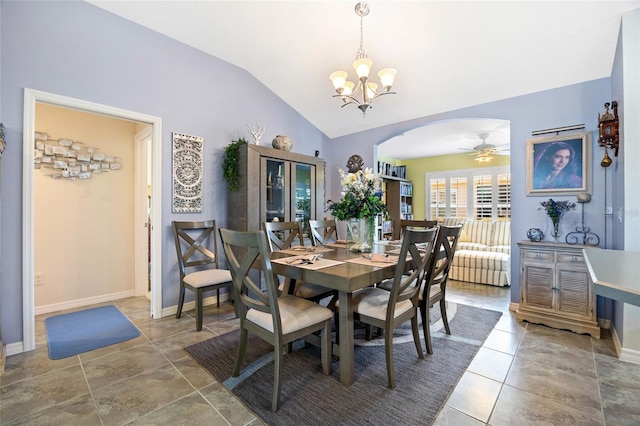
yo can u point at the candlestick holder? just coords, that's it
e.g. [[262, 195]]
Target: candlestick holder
[[583, 234]]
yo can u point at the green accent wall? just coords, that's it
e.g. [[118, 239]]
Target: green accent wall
[[417, 168]]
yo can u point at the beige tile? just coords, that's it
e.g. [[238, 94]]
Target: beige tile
[[491, 364], [128, 400], [509, 324], [563, 337], [168, 326], [123, 365], [32, 396], [517, 407], [79, 411], [475, 396], [556, 356], [34, 363], [171, 347], [450, 417], [502, 341], [564, 386], [196, 375], [193, 410], [227, 405]]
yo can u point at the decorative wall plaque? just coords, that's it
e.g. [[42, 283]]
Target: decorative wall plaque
[[187, 173]]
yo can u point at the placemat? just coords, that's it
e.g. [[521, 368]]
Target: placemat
[[306, 250], [364, 261], [317, 264]]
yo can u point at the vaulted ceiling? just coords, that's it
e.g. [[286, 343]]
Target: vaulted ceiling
[[449, 54]]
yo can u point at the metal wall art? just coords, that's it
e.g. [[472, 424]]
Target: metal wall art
[[71, 160], [2, 144], [187, 173]]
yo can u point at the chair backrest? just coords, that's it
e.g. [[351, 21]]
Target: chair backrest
[[196, 244], [418, 244], [244, 251], [438, 269], [323, 231], [416, 224], [282, 235]]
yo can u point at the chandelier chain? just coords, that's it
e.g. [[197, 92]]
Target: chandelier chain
[[361, 53]]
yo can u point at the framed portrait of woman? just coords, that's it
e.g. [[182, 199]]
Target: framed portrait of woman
[[558, 165]]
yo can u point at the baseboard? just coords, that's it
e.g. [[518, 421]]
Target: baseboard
[[627, 355], [3, 356], [616, 340], [15, 348], [78, 303], [212, 300]]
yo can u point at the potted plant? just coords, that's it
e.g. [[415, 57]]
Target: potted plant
[[231, 165]]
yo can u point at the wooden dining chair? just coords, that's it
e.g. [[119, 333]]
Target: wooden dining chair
[[282, 236], [389, 309], [323, 231], [277, 319], [197, 250], [434, 286], [417, 224]]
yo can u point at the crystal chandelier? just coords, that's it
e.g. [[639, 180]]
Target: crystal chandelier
[[365, 89]]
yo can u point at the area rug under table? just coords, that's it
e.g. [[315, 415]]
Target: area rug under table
[[77, 332], [311, 398]]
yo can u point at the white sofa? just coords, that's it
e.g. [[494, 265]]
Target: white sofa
[[483, 254]]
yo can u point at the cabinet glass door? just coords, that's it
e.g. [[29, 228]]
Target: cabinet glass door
[[302, 200], [276, 187]]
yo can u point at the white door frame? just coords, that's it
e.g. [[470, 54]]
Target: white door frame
[[30, 98], [141, 221]]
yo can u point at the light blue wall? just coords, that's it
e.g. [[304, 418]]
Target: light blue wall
[[576, 104], [78, 50]]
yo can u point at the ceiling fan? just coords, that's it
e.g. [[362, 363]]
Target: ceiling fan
[[484, 151]]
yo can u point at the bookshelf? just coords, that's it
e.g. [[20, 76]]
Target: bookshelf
[[399, 200]]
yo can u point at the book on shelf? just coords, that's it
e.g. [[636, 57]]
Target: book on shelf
[[386, 169]]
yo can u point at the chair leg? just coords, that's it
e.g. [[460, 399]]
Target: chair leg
[[278, 358], [325, 348], [199, 313], [218, 297], [388, 352], [180, 301], [367, 332], [443, 313], [416, 335], [242, 346], [426, 327]]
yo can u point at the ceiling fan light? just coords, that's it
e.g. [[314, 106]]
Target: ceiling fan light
[[362, 67], [387, 75], [338, 78]]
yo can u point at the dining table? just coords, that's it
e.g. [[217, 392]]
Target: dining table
[[336, 267]]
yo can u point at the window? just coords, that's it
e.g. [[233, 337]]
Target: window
[[479, 194]]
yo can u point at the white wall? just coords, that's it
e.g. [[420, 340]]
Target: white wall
[[631, 152], [84, 228]]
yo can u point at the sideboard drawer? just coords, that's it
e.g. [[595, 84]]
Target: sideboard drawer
[[570, 258], [538, 255]]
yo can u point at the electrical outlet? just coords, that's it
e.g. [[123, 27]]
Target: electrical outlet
[[38, 278]]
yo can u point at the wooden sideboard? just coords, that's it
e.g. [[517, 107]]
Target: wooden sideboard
[[555, 287]]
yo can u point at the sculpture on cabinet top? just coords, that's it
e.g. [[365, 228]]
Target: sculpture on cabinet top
[[355, 163]]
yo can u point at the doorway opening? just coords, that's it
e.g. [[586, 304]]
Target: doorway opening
[[148, 210]]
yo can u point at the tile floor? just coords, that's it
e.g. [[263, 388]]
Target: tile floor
[[524, 374]]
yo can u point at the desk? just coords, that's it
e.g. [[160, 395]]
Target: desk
[[615, 274], [346, 278]]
